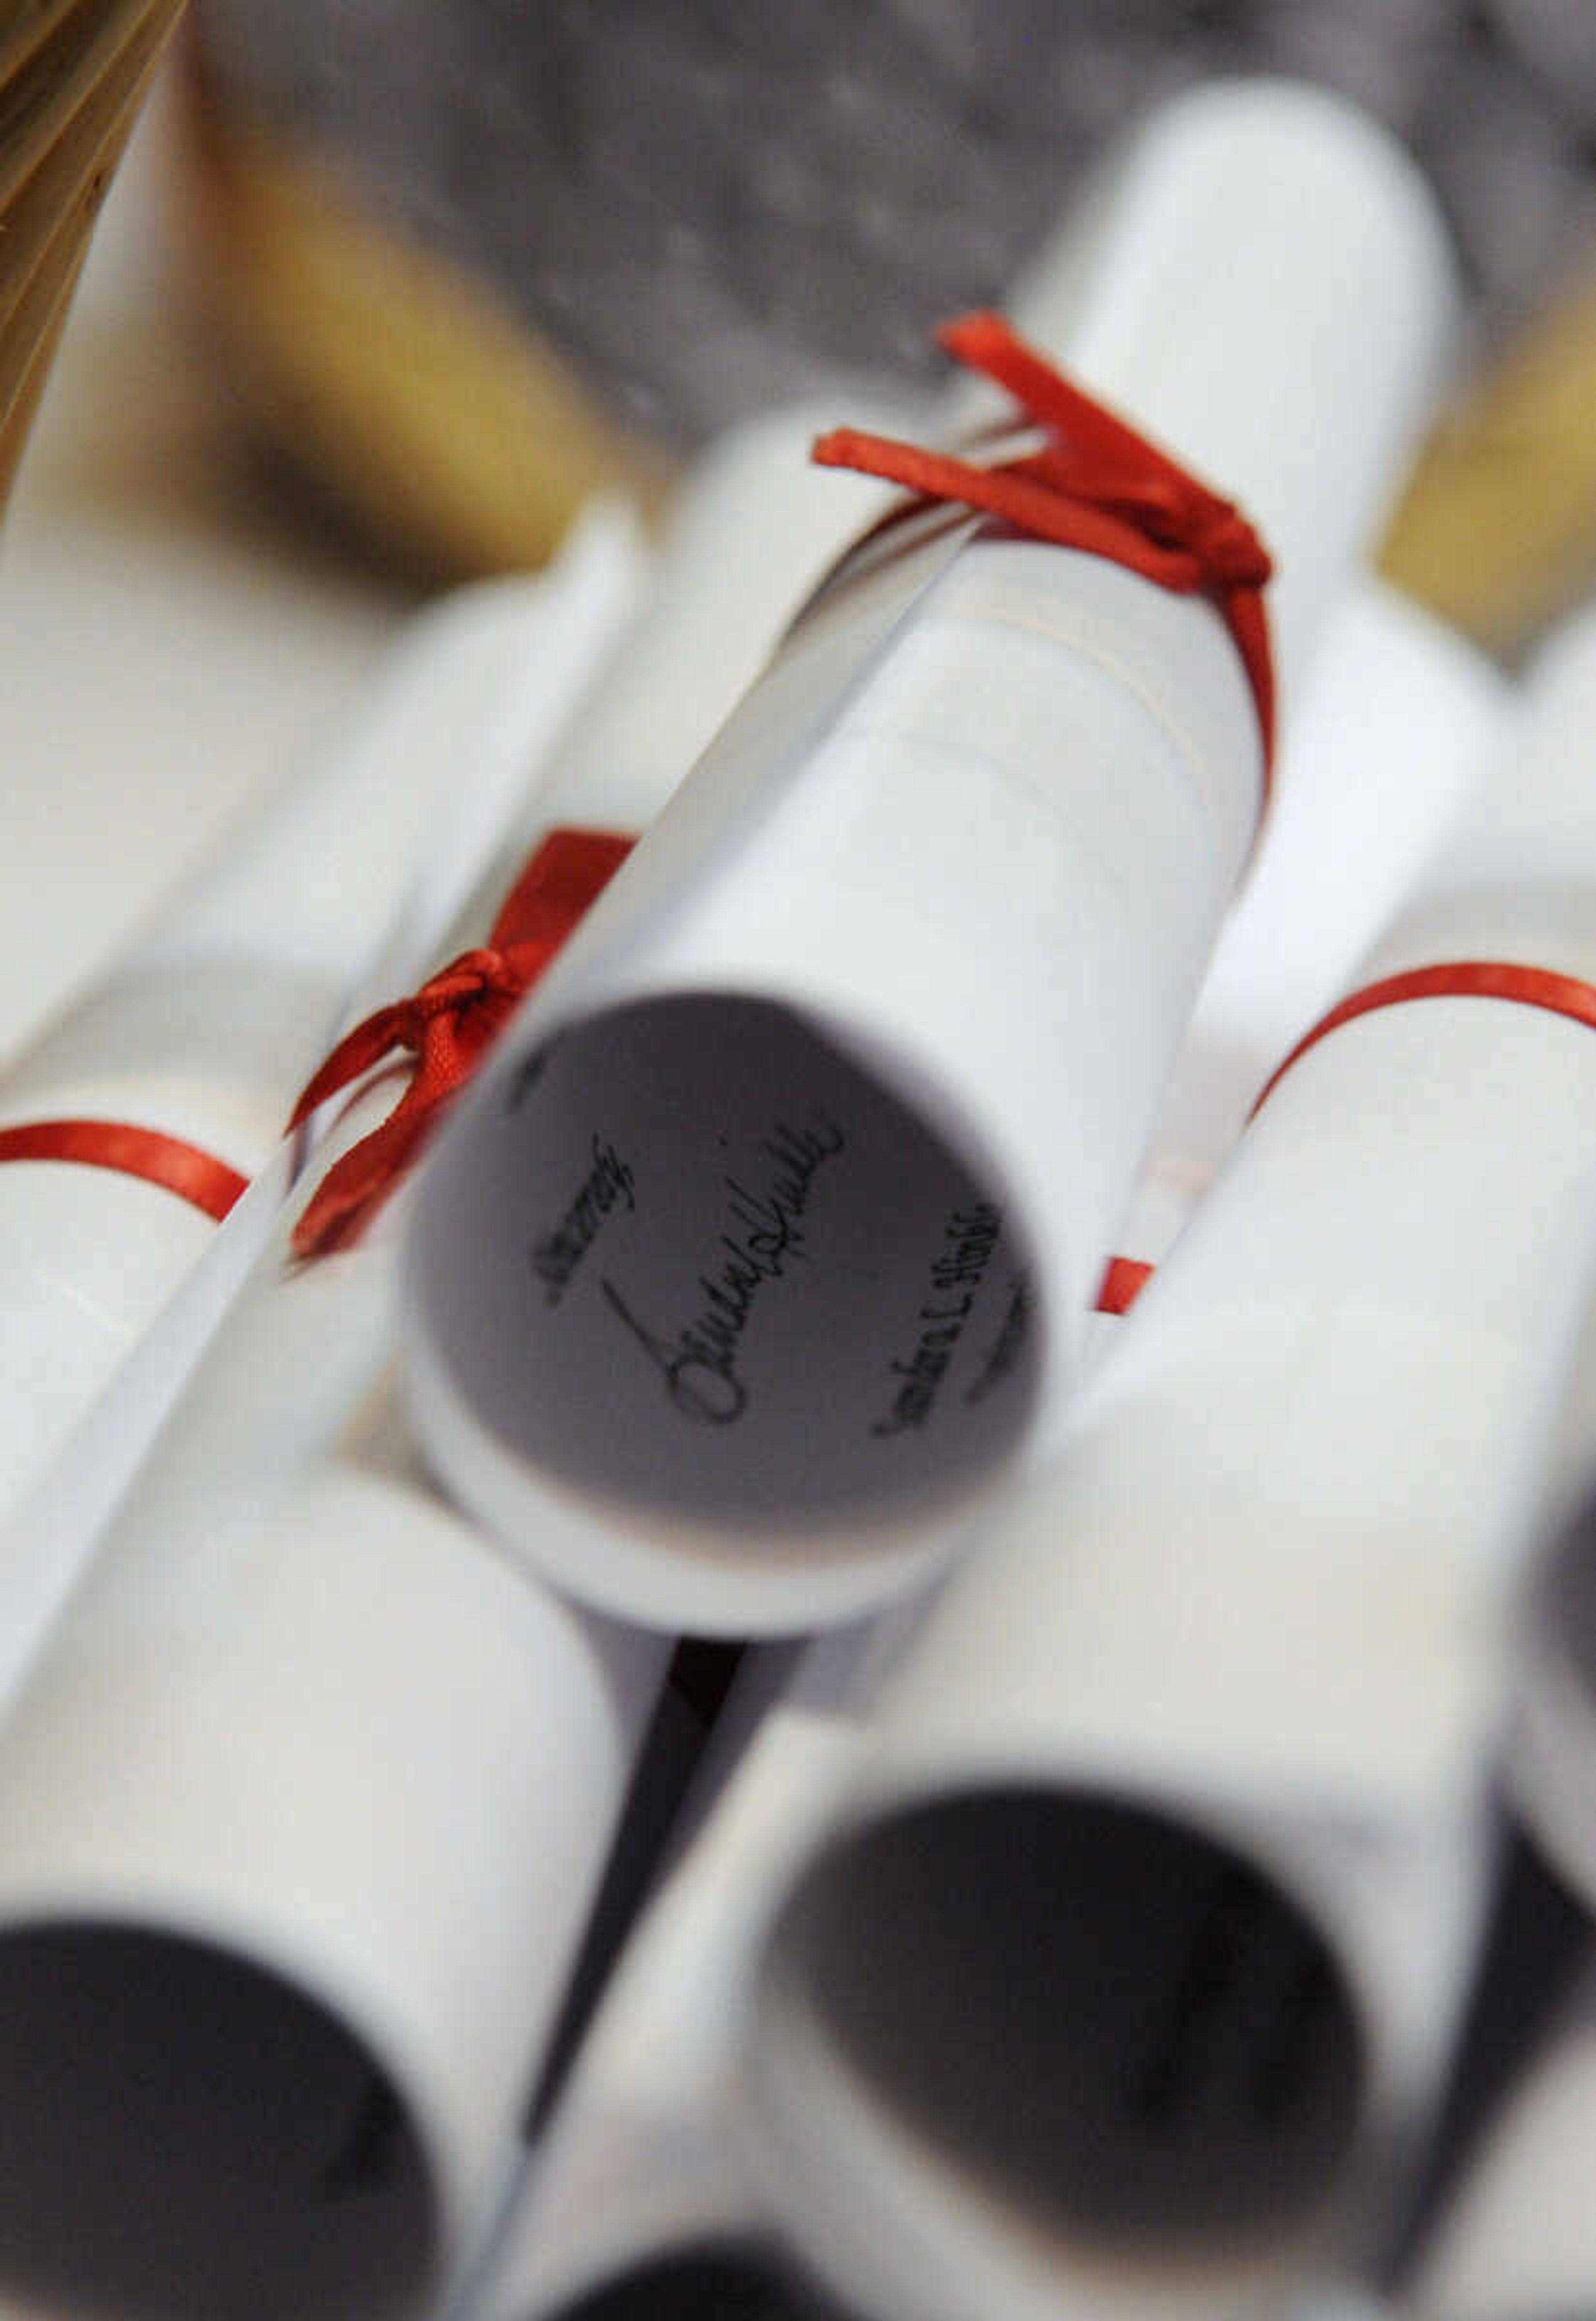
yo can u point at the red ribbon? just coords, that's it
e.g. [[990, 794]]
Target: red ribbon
[[1098, 485], [1123, 1282], [1458, 978], [194, 1176], [448, 1026]]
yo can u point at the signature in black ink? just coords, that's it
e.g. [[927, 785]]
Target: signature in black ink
[[556, 1256], [972, 1236], [700, 1363]]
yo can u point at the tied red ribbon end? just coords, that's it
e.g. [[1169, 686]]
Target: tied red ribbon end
[[448, 1026], [1097, 486]]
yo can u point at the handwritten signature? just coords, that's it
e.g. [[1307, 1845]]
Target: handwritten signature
[[555, 1256], [698, 1362]]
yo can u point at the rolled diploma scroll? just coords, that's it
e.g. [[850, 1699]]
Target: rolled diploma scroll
[[640, 2176], [879, 1015], [302, 1805], [1138, 1947], [208, 1029], [310, 1790]]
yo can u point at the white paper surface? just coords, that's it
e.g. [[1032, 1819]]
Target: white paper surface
[[1398, 724], [1215, 1700], [883, 1008]]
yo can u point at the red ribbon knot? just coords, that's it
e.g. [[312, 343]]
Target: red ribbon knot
[[448, 1026], [1097, 486]]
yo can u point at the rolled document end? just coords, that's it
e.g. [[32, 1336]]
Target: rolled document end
[[789, 1194], [1125, 1976], [1037, 2048], [718, 1317], [185, 2092], [285, 1908]]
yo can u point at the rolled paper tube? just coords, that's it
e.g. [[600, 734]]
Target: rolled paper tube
[[1517, 2239], [302, 1807], [1398, 724], [1134, 1956], [317, 1854], [193, 1049], [640, 2181], [879, 1016]]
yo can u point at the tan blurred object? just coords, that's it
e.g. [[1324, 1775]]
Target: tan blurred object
[[1498, 529], [402, 390], [73, 75]]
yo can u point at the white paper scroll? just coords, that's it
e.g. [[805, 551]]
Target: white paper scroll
[[304, 1800], [206, 1031], [302, 1807], [1132, 1963], [877, 1022]]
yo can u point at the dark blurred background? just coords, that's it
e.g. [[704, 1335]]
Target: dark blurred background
[[576, 238]]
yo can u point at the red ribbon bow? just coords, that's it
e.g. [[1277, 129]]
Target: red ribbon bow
[[1096, 485], [448, 1026]]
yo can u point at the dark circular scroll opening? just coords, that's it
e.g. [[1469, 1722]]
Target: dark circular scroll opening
[[187, 2138], [698, 1259], [734, 2281], [1091, 2013]]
